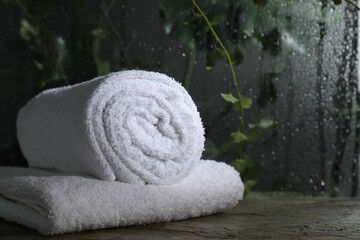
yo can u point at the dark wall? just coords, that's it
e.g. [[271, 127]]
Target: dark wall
[[15, 82]]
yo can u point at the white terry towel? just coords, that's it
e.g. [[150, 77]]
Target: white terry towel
[[132, 126], [60, 204]]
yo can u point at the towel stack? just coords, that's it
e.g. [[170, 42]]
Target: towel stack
[[118, 150]]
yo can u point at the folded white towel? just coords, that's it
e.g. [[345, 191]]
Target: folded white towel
[[132, 126], [60, 204]]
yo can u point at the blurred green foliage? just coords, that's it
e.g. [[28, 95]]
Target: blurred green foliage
[[206, 23], [62, 56], [266, 24], [58, 59]]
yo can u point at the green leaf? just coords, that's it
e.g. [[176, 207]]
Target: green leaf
[[253, 134], [337, 2], [204, 28], [212, 57], [186, 36], [253, 168], [214, 19], [238, 137], [39, 65], [102, 66], [249, 170], [169, 13], [27, 30], [193, 18], [252, 125], [98, 32], [265, 123], [249, 161], [237, 106], [249, 184], [212, 152], [237, 57], [239, 164], [229, 97], [246, 102]]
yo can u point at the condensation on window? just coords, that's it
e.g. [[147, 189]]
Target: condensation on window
[[300, 68]]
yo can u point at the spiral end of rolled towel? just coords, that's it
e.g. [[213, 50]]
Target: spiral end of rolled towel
[[145, 126], [132, 126]]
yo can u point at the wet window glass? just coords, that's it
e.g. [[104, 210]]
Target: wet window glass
[[295, 61]]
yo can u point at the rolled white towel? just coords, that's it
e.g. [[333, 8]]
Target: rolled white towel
[[60, 204], [132, 126]]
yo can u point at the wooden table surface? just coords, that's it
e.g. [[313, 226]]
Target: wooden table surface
[[254, 218]]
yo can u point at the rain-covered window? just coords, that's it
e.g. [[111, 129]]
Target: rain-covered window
[[295, 60]]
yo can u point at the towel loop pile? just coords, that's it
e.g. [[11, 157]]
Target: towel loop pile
[[118, 150]]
